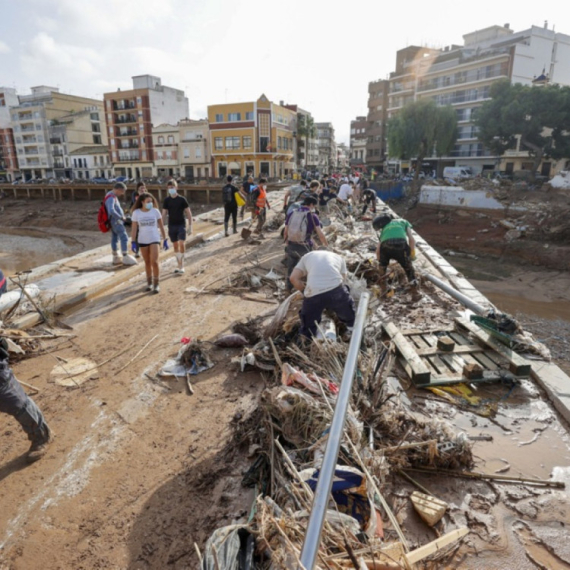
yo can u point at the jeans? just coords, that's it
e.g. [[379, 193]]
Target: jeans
[[15, 402], [337, 300], [119, 234], [401, 253]]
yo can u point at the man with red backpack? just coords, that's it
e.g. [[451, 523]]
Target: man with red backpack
[[116, 218], [300, 225]]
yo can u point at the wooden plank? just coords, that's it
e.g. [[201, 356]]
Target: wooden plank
[[432, 547], [453, 364], [485, 362], [415, 367], [441, 365], [457, 350], [459, 338], [418, 342], [488, 376], [517, 364], [407, 332]]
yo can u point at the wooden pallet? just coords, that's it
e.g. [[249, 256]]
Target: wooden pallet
[[427, 365]]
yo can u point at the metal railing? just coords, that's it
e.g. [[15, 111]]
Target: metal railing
[[326, 475]]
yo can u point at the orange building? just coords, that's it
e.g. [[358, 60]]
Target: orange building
[[252, 138]]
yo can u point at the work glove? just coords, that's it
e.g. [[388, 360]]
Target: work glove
[[134, 246], [165, 244], [413, 254]]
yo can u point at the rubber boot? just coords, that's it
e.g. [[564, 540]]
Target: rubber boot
[[226, 229], [235, 228]]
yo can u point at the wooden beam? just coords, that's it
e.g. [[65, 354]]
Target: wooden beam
[[517, 364], [458, 349], [432, 547], [414, 366]]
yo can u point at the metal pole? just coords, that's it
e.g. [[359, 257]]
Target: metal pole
[[324, 485], [465, 301]]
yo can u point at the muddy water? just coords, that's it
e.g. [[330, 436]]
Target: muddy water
[[22, 249]]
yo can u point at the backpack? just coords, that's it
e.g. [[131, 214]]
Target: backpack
[[297, 226], [103, 216], [228, 194]]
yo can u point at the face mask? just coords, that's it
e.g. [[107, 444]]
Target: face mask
[[148, 205], [172, 191]]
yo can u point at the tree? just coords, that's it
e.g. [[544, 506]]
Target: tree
[[306, 129], [538, 115], [421, 129]]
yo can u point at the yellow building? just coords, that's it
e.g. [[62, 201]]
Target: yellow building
[[252, 138]]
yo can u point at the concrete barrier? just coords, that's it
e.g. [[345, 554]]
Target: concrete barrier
[[456, 196]]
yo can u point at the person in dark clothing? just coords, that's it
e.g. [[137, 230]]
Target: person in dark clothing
[[368, 197], [16, 403], [230, 205], [177, 209]]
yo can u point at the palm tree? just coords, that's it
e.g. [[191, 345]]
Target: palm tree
[[306, 129]]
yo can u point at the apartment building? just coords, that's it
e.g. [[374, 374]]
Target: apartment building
[[32, 120], [327, 148], [255, 138], [165, 139], [376, 130], [90, 162], [306, 144], [461, 76], [194, 149], [8, 158], [130, 116], [358, 140], [342, 156]]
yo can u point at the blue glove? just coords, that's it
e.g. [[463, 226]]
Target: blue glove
[[165, 244], [135, 246]]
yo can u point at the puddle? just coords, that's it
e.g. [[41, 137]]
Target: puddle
[[26, 249], [512, 304]]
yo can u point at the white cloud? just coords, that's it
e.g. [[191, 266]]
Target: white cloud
[[4, 47]]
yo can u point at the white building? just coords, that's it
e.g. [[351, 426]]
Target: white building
[[165, 140], [90, 162], [194, 150]]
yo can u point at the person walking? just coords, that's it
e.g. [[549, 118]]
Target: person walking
[[299, 228], [117, 221], [320, 276], [395, 242], [16, 403], [259, 198], [147, 221], [177, 209], [230, 205], [141, 187], [293, 194], [246, 190]]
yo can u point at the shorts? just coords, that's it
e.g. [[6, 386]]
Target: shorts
[[177, 233], [148, 244]]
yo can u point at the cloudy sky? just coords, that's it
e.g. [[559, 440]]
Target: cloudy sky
[[319, 54]]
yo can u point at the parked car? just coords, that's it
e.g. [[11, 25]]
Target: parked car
[[100, 180], [456, 172]]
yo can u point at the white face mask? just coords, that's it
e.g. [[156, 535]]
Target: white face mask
[[172, 191], [148, 205]]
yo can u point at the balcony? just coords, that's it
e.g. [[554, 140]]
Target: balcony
[[55, 140], [31, 140], [127, 133], [31, 151], [58, 152], [31, 129], [126, 120], [123, 105], [129, 158], [126, 144]]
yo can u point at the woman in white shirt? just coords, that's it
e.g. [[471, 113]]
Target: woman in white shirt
[[145, 233]]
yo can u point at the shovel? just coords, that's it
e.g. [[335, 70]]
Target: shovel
[[246, 232]]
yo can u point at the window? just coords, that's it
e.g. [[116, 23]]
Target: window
[[246, 141], [160, 140], [169, 154], [219, 117], [96, 127], [139, 100], [94, 116], [234, 117], [249, 116], [186, 152], [170, 139], [74, 163], [198, 152], [96, 139], [232, 142], [219, 143]]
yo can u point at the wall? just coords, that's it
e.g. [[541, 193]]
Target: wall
[[456, 196], [167, 106]]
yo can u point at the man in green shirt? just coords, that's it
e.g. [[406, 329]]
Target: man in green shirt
[[395, 242]]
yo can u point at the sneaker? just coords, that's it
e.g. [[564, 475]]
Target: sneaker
[[156, 289], [38, 448], [177, 270], [148, 287], [181, 270], [117, 260]]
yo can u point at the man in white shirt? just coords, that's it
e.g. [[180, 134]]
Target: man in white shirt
[[320, 277], [345, 193]]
